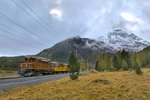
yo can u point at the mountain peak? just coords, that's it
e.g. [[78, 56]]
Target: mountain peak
[[85, 48], [123, 39], [122, 33]]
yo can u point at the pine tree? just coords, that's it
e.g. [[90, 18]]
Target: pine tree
[[124, 65], [138, 71], [74, 67], [102, 62], [109, 63], [97, 66], [126, 57], [137, 66], [115, 62], [83, 64], [123, 54]]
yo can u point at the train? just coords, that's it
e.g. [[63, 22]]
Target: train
[[34, 66]]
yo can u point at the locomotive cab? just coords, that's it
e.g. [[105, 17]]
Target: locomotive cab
[[26, 69], [35, 66]]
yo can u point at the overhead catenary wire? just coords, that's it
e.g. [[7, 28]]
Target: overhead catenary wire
[[16, 32], [8, 32], [50, 27], [31, 15], [28, 14], [9, 19], [17, 36], [20, 42], [19, 25], [14, 22]]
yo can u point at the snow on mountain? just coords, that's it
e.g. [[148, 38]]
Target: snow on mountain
[[98, 45], [116, 40], [123, 39], [86, 47], [92, 44]]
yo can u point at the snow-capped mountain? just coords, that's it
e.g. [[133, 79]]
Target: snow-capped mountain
[[83, 47], [122, 39], [92, 44], [87, 48]]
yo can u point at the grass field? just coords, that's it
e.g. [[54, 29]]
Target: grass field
[[93, 86], [7, 73]]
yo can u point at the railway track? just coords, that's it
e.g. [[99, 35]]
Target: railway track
[[12, 82], [10, 78], [9, 83]]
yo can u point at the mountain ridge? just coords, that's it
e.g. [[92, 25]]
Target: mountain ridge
[[123, 39], [85, 48]]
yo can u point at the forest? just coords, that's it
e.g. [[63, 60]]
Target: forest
[[11, 62], [122, 60]]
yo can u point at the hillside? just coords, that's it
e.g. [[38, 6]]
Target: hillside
[[10, 62], [88, 49], [92, 86], [144, 57], [83, 47]]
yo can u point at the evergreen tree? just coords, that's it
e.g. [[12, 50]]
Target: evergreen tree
[[137, 66], [102, 62], [83, 64], [97, 65], [105, 62], [109, 63], [74, 67], [128, 59], [138, 70], [123, 54], [116, 62], [122, 60], [124, 65]]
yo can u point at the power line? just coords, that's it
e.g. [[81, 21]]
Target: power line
[[7, 32], [15, 35], [39, 17], [14, 31], [14, 22], [15, 40], [29, 14]]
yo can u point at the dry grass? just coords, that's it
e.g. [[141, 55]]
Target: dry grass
[[121, 86], [7, 73]]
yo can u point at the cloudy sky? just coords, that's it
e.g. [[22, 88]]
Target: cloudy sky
[[29, 26]]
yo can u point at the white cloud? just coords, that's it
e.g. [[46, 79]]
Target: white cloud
[[56, 13], [130, 17]]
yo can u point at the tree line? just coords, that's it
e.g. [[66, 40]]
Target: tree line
[[122, 60], [11, 62], [144, 57]]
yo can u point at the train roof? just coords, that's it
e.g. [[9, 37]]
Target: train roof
[[39, 58], [44, 59], [58, 63]]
